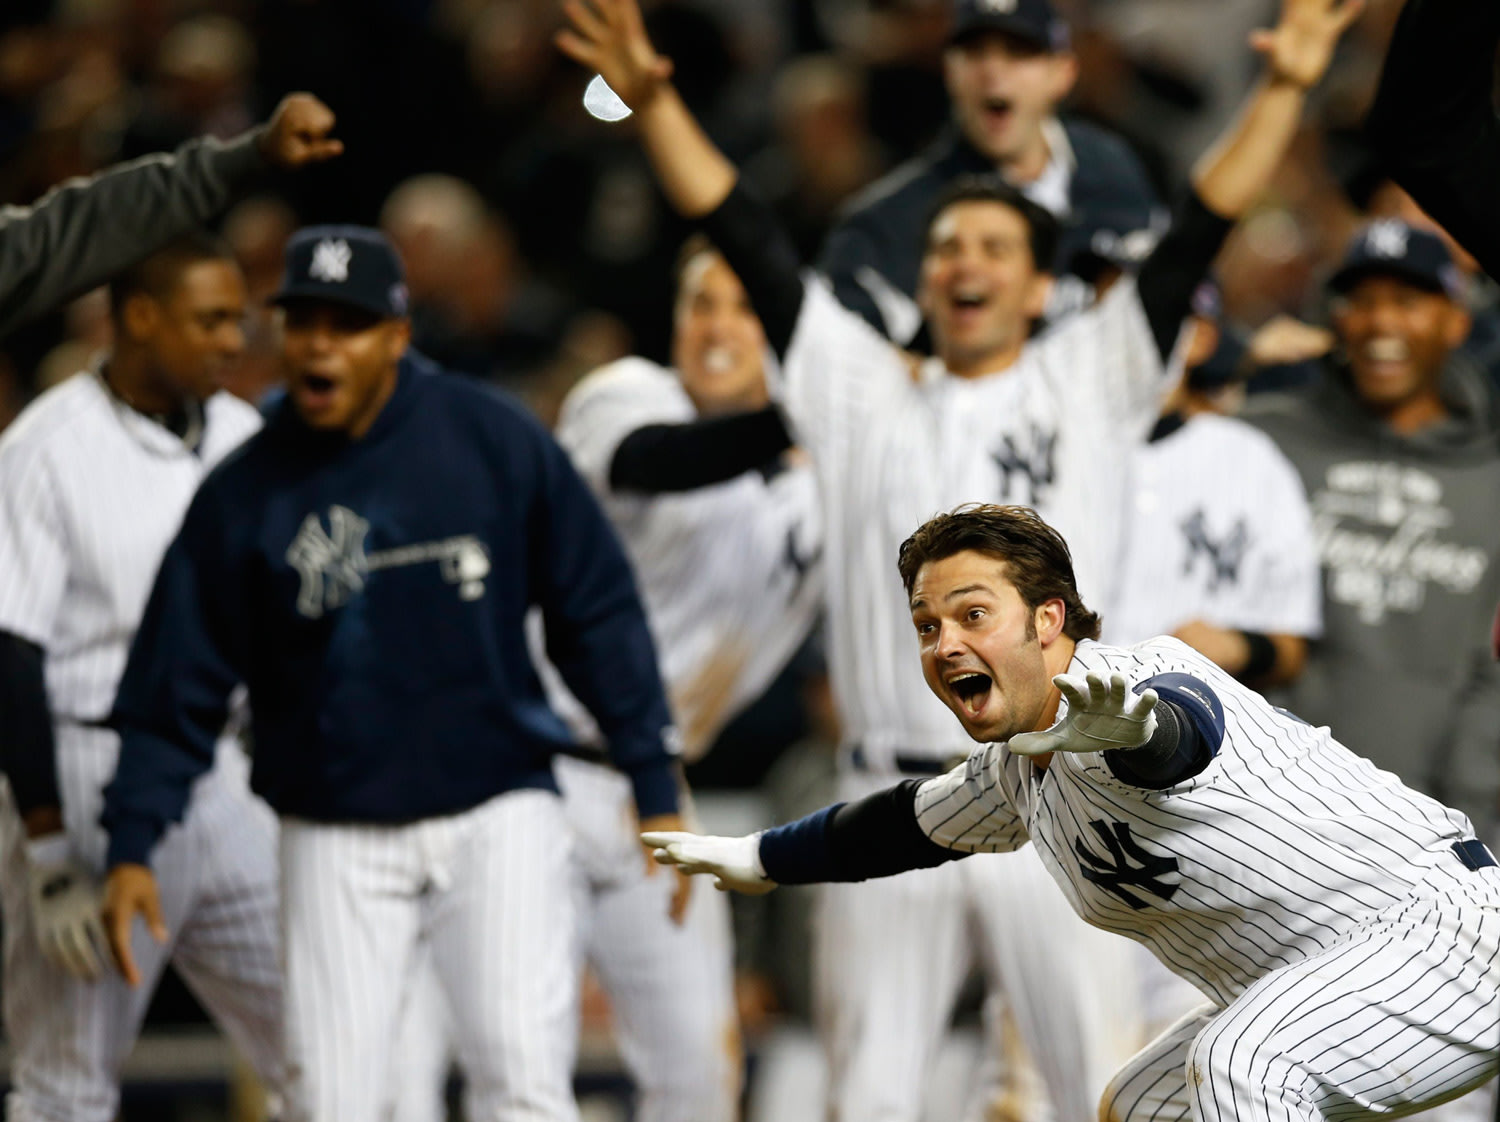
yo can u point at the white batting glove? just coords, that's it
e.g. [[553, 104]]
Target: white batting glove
[[65, 902], [732, 862], [1101, 715]]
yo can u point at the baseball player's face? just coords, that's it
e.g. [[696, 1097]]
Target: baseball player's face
[[1002, 89], [717, 339], [984, 652], [1397, 337], [196, 332], [340, 364], [980, 289]]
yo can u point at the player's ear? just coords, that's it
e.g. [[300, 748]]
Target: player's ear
[[1458, 325], [1038, 292], [398, 338], [1064, 74], [1049, 617], [139, 316]]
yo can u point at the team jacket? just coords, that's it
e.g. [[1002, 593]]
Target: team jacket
[[372, 596]]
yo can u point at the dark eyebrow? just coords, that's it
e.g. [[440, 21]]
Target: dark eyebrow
[[919, 602]]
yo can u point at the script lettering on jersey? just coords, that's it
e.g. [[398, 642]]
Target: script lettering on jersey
[[1116, 873], [1383, 532], [1031, 458], [1223, 557], [333, 564]]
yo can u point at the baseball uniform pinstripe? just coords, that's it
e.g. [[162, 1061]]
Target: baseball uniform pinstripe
[[91, 493], [1220, 531], [1350, 957], [890, 450]]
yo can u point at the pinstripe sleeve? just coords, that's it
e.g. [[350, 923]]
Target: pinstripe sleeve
[[33, 548], [173, 700], [969, 808]]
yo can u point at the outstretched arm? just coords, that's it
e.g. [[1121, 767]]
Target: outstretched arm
[[86, 230], [1434, 121], [1233, 174]]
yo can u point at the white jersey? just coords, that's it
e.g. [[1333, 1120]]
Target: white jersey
[[731, 575], [1220, 531], [91, 494], [1285, 844], [1056, 431]]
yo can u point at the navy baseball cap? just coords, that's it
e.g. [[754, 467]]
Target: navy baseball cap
[[1034, 21], [1389, 247], [353, 265]]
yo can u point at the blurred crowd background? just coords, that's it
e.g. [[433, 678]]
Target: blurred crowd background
[[538, 247]]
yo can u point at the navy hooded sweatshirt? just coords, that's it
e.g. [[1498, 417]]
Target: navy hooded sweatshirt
[[372, 596]]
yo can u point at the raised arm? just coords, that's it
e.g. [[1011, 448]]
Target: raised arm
[[1434, 119], [699, 181], [1233, 174], [84, 231]]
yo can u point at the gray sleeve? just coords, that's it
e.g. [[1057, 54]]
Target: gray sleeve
[[84, 231], [1467, 773]]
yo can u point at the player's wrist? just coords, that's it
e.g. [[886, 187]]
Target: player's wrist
[[48, 850]]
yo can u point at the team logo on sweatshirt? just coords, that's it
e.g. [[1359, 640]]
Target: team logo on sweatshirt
[[333, 564]]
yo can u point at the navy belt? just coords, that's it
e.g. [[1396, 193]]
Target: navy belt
[[1475, 854], [905, 764]]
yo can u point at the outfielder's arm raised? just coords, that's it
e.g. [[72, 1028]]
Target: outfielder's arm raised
[[86, 230]]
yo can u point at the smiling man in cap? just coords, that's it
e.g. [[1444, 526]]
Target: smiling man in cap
[[1398, 448]]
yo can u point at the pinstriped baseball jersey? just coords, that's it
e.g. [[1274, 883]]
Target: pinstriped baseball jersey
[[1285, 844], [1220, 531], [91, 492], [731, 575], [1055, 431]]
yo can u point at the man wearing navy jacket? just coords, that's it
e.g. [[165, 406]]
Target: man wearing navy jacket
[[365, 566]]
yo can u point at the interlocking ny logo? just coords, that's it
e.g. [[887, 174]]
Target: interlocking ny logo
[[1034, 463], [331, 563], [1387, 238], [330, 261], [1224, 557], [1113, 875]]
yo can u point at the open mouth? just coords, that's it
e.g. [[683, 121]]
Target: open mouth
[[972, 690], [997, 109]]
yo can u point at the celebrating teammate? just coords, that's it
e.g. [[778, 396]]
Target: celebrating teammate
[[84, 231], [365, 566], [94, 478], [1051, 423], [1345, 928]]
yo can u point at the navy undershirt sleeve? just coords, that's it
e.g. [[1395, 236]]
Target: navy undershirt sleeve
[[1189, 731], [877, 836], [27, 756], [659, 459]]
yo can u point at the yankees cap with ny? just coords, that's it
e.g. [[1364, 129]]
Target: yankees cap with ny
[[353, 265], [1033, 21], [1389, 247]]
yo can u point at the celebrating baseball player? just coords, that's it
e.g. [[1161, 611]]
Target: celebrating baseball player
[[1051, 423], [365, 566], [94, 478], [1345, 929]]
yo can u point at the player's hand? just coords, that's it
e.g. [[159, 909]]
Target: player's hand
[[131, 890], [1228, 648], [734, 863], [297, 133], [1285, 340], [682, 893], [1300, 47], [65, 907], [608, 36], [1102, 714]]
